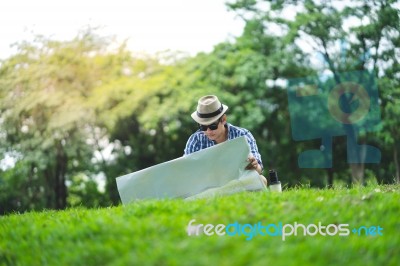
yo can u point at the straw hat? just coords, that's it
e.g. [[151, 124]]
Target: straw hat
[[209, 110]]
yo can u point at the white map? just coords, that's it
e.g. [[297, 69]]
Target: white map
[[217, 170]]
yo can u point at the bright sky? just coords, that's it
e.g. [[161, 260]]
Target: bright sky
[[150, 25]]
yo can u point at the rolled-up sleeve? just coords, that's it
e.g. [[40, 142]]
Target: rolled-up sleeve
[[253, 148]]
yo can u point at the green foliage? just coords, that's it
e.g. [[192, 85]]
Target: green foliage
[[154, 232], [363, 35], [84, 191], [78, 108], [20, 190], [44, 112]]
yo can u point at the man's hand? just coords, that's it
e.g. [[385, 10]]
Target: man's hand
[[253, 164]]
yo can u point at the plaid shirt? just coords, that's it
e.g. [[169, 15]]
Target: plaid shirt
[[198, 141]]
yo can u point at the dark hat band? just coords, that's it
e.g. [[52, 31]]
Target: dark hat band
[[209, 115]]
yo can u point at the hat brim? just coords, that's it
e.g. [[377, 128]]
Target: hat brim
[[209, 121]]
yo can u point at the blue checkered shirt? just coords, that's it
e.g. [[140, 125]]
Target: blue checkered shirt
[[198, 141]]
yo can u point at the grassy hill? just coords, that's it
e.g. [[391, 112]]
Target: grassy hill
[[155, 232]]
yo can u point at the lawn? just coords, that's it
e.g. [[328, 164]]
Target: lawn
[[155, 232]]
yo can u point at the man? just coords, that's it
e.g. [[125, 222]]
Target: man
[[214, 129]]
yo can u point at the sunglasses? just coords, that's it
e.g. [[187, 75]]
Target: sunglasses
[[213, 126]]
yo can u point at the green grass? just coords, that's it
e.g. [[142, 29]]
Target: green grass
[[154, 232]]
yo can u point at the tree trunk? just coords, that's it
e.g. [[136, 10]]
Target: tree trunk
[[396, 164], [330, 177], [357, 173], [355, 154], [49, 188], [60, 187]]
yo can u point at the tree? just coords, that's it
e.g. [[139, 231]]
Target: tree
[[318, 28], [44, 114]]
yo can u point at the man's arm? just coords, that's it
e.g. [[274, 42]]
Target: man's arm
[[254, 151], [253, 164]]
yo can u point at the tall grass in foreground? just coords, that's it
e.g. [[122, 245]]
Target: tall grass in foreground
[[155, 232]]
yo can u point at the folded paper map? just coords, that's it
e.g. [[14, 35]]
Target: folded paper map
[[217, 170]]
